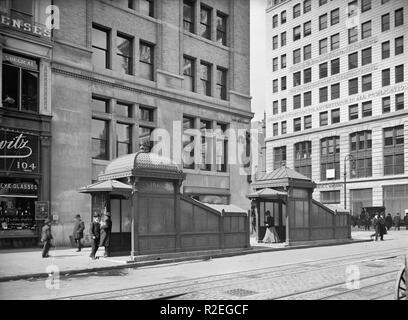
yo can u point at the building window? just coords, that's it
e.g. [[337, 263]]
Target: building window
[[307, 29], [221, 87], [395, 198], [307, 52], [221, 147], [385, 50], [296, 11], [206, 154], [386, 77], [323, 46], [399, 45], [124, 52], [352, 35], [330, 158], [386, 105], [296, 56], [366, 56], [221, 21], [188, 16], [274, 42], [335, 66], [303, 154], [146, 114], [366, 30], [352, 9], [323, 70], [365, 5], [20, 83], [275, 64], [360, 198], [323, 94], [335, 91], [123, 134], [100, 130], [393, 150], [22, 9], [283, 83], [353, 86], [131, 4], [297, 79], [205, 22], [189, 74], [205, 77], [100, 105], [308, 122], [100, 47], [283, 39], [275, 86], [188, 143], [385, 22], [334, 16], [335, 42], [307, 6], [353, 112], [367, 109], [322, 2], [330, 197], [399, 101], [279, 157], [147, 7], [296, 33], [297, 124], [275, 129], [297, 101], [283, 127], [307, 75], [324, 118], [146, 62], [384, 1], [399, 17], [399, 73], [323, 22], [283, 61], [307, 99], [283, 17], [335, 116], [283, 105], [275, 107], [366, 82], [275, 21]]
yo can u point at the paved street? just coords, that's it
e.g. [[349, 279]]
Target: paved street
[[314, 273]]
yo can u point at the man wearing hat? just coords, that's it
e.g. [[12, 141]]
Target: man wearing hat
[[78, 233], [95, 233], [46, 237], [106, 228]]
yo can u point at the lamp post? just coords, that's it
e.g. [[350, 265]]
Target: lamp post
[[347, 157]]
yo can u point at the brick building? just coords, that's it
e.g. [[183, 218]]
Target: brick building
[[338, 98]]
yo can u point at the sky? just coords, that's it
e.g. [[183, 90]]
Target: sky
[[258, 57]]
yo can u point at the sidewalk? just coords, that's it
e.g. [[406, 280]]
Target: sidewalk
[[27, 263]]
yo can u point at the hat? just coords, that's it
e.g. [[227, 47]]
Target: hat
[[78, 216]]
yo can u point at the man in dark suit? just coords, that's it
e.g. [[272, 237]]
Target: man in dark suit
[[78, 232], [95, 233], [106, 229], [46, 237]]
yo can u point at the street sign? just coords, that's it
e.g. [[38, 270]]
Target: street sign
[[330, 173]]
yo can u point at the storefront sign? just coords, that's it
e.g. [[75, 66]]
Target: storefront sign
[[42, 211], [20, 61], [18, 188], [19, 152], [25, 26]]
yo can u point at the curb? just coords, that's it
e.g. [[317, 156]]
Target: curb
[[133, 265]]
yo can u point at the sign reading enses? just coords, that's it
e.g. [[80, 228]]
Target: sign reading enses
[[26, 26]]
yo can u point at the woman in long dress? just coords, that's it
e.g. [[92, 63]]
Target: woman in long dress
[[270, 235]]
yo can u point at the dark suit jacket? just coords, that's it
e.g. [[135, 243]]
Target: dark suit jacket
[[105, 233], [79, 228], [95, 230], [270, 222]]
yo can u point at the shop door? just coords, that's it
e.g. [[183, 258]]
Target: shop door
[[121, 225]]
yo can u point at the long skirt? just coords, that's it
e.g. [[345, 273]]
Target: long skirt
[[271, 235]]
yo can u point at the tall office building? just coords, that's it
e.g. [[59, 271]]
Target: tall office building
[[109, 74], [337, 98]]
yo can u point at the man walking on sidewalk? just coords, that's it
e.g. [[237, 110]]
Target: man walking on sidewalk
[[95, 233], [397, 221], [78, 233], [106, 229], [46, 237]]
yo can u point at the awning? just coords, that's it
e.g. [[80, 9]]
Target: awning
[[111, 186], [268, 193]]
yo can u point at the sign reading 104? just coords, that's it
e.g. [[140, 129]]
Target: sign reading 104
[[19, 152]]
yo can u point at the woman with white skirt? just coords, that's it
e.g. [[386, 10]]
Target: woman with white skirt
[[270, 235]]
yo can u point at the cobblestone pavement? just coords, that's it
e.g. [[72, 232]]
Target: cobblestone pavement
[[321, 279]]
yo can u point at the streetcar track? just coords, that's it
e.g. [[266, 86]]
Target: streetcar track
[[238, 275]]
